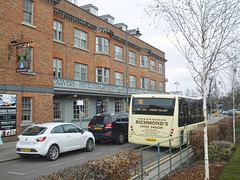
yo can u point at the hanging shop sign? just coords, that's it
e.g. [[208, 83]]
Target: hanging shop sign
[[8, 114], [22, 62]]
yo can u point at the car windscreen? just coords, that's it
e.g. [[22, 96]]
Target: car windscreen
[[101, 119], [33, 131], [153, 106]]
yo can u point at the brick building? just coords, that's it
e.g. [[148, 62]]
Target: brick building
[[64, 63]]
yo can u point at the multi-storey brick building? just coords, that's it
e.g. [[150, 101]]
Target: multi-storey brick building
[[55, 54]]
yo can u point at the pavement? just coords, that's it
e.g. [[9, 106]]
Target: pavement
[[8, 152]]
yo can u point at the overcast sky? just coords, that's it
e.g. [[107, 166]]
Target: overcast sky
[[131, 12]]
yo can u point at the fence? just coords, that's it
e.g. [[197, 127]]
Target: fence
[[164, 160]]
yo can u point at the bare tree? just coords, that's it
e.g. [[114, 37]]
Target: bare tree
[[203, 31]]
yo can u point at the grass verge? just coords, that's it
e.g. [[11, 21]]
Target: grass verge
[[231, 171]]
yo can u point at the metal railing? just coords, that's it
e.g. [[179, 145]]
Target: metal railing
[[164, 160]]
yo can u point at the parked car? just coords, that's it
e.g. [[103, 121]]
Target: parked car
[[225, 113], [51, 139], [110, 126]]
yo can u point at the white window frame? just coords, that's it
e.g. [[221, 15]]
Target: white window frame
[[132, 81], [132, 58], [57, 110], [144, 83], [152, 65], [57, 30], [161, 86], [102, 45], [119, 105], [118, 53], [84, 108], [153, 85], [103, 76], [28, 11], [144, 61], [80, 39], [118, 79], [57, 68], [30, 58], [80, 71], [27, 109], [160, 68]]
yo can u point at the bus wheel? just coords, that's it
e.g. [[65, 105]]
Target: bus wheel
[[120, 139]]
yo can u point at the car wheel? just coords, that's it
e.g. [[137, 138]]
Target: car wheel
[[89, 145], [53, 153], [120, 139]]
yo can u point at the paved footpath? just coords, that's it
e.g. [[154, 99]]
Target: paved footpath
[[8, 151]]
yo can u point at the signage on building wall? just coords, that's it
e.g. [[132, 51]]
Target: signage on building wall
[[22, 62], [8, 114]]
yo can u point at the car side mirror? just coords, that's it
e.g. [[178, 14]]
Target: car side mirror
[[82, 131]]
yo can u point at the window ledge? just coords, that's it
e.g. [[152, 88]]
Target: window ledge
[[27, 124], [81, 48], [27, 24], [57, 41], [29, 73], [133, 65], [119, 60], [99, 53]]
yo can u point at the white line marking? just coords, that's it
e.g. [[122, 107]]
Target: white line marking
[[97, 153], [55, 165], [113, 149], [21, 174], [78, 159]]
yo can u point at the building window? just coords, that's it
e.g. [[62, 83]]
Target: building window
[[57, 111], [119, 105], [80, 72], [80, 39], [132, 81], [160, 86], [30, 59], [118, 79], [27, 109], [102, 45], [144, 83], [160, 68], [143, 61], [57, 30], [152, 65], [102, 75], [84, 109], [132, 58], [153, 85], [57, 67], [28, 11], [105, 105], [118, 53]]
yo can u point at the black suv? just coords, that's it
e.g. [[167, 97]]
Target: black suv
[[110, 126]]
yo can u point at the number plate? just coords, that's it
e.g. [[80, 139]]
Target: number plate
[[25, 150], [151, 140], [98, 128]]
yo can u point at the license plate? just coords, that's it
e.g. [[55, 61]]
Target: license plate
[[151, 140], [25, 150], [98, 128]]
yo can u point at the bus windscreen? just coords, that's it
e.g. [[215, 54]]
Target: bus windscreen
[[153, 106]]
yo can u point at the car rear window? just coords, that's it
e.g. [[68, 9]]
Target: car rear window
[[33, 131], [101, 119]]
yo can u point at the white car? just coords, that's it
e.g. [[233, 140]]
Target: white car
[[51, 139]]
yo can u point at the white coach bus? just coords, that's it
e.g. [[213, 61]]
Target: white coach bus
[[157, 118]]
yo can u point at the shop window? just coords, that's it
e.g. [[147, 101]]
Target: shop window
[[27, 109]]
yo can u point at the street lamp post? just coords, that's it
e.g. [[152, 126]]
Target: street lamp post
[[176, 86]]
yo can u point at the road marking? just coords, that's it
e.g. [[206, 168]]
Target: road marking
[[22, 174], [97, 153], [113, 149], [55, 165], [78, 159]]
